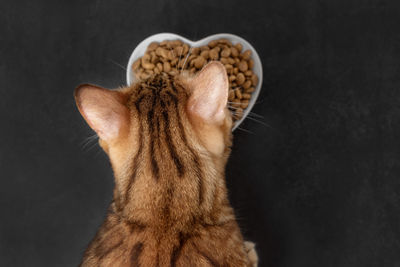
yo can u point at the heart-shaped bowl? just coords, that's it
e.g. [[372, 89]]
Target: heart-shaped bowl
[[140, 50]]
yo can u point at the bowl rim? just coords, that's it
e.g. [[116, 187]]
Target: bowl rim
[[158, 37]]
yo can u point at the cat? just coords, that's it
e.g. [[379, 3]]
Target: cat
[[168, 139]]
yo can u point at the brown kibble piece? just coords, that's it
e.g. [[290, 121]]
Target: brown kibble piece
[[167, 66], [239, 113], [238, 93], [136, 65], [170, 55], [248, 73], [158, 51], [213, 54], [175, 43], [174, 62], [154, 58], [152, 46], [246, 55], [226, 52], [243, 66], [246, 84], [246, 95], [185, 49], [178, 50], [164, 53], [224, 60], [254, 80], [164, 43], [244, 104], [224, 41], [213, 43], [148, 65], [250, 90], [228, 67], [250, 63], [231, 95], [204, 54], [146, 57], [239, 47], [173, 72], [234, 51], [231, 60], [199, 62], [195, 51], [160, 66], [240, 78]]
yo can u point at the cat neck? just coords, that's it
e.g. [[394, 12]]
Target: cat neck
[[171, 200]]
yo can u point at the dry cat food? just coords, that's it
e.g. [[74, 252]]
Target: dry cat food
[[173, 56]]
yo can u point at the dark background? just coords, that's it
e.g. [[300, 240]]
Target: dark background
[[318, 186]]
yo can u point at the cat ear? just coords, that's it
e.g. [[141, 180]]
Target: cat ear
[[102, 109], [209, 93]]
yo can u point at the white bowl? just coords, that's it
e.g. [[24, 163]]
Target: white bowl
[[257, 69]]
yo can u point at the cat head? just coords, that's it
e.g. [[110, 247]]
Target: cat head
[[163, 115]]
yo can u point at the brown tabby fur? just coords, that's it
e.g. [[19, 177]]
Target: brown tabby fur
[[170, 205]]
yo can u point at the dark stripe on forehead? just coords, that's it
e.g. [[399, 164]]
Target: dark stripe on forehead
[[137, 103], [174, 87], [152, 133], [171, 146], [135, 163]]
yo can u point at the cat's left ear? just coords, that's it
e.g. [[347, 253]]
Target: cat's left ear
[[209, 93], [103, 110]]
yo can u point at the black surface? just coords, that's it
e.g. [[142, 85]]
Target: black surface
[[319, 186]]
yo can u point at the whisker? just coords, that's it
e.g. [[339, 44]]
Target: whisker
[[90, 147], [261, 122], [116, 63], [88, 140], [179, 61], [260, 101], [234, 103], [187, 56], [231, 107], [256, 115], [172, 50], [244, 130], [249, 114]]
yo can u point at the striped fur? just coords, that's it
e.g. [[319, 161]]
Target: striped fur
[[170, 205]]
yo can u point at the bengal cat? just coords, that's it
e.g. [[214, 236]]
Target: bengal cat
[[168, 140]]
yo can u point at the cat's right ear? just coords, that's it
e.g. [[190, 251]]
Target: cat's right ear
[[104, 110]]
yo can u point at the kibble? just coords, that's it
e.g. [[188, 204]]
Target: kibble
[[173, 56], [240, 79], [242, 65]]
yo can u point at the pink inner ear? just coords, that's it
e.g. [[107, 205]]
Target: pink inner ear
[[102, 109], [209, 93]]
